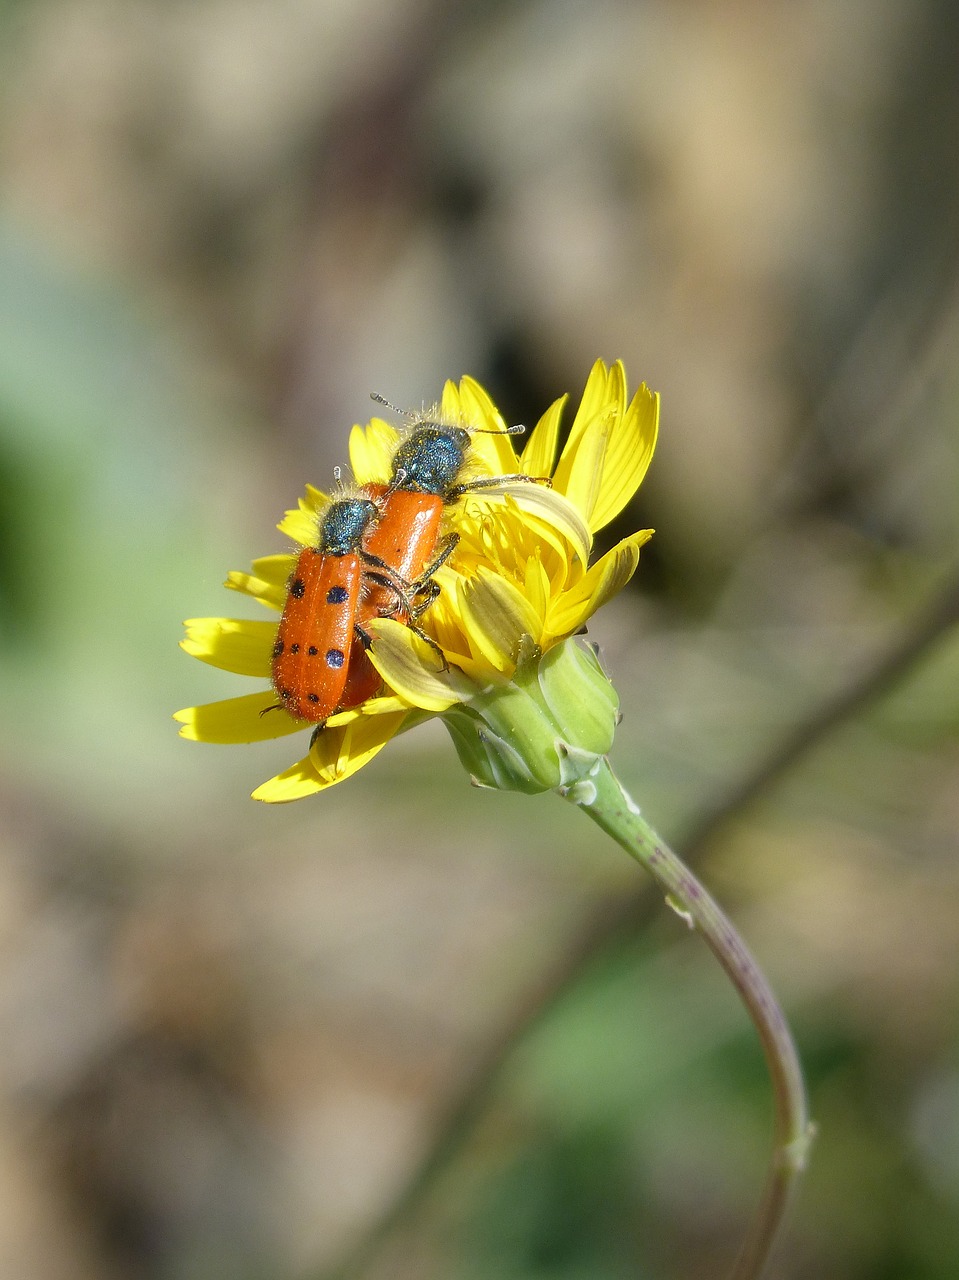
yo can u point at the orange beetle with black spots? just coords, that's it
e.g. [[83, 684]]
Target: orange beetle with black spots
[[311, 654]]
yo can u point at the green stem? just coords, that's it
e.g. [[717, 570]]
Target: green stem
[[604, 800]]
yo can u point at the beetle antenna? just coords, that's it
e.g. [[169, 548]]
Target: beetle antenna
[[375, 396], [516, 430]]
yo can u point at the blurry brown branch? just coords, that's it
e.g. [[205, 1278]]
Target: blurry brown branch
[[615, 919]]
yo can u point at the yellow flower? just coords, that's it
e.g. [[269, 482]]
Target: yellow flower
[[518, 583]]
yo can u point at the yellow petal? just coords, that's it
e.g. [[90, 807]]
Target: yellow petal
[[274, 569], [238, 720], [579, 472], [496, 616], [295, 783], [371, 451], [537, 586], [470, 406], [302, 524], [540, 452], [449, 408], [232, 644], [606, 577], [411, 667], [506, 541], [490, 532], [336, 754], [555, 509], [381, 705], [492, 442], [598, 395], [629, 452], [267, 582], [264, 592], [609, 447], [477, 407]]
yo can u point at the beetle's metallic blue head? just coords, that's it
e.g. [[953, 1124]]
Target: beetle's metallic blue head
[[345, 523], [431, 459]]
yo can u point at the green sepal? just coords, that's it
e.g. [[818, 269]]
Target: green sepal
[[547, 729]]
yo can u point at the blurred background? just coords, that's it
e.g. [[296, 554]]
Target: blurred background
[[229, 1032]]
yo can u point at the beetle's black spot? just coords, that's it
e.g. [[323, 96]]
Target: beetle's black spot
[[335, 658], [277, 648], [313, 651], [297, 588], [286, 693], [294, 648], [337, 595], [312, 697]]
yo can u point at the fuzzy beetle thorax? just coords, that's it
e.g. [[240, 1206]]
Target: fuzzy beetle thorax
[[344, 525], [432, 458]]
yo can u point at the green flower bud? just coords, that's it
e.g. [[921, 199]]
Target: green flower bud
[[547, 729]]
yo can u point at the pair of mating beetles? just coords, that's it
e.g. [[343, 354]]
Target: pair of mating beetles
[[376, 555]]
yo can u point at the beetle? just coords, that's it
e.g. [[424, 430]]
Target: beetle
[[314, 639]]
